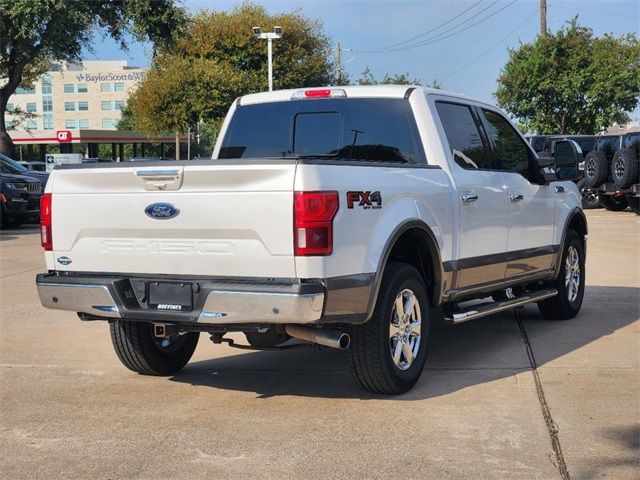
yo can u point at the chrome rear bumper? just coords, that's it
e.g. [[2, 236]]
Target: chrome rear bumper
[[216, 303]]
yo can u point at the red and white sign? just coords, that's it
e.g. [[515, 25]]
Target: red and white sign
[[63, 136]]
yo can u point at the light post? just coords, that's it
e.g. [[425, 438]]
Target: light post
[[277, 33]]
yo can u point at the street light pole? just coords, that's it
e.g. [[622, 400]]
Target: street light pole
[[269, 37]]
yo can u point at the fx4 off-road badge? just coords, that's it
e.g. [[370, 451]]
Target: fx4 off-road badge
[[366, 200]]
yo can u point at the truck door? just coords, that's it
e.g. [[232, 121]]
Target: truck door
[[531, 205], [481, 196]]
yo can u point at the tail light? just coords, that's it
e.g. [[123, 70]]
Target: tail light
[[313, 222], [46, 237]]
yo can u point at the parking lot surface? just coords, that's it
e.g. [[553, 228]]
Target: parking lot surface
[[69, 409]]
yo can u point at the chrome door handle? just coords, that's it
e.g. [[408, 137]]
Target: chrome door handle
[[515, 197], [469, 197]]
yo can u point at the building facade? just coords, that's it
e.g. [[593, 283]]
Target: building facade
[[82, 96]]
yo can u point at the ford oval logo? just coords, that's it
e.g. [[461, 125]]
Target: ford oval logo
[[161, 211]]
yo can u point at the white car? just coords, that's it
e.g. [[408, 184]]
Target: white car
[[346, 217]]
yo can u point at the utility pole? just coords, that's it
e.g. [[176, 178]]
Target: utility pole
[[543, 18], [338, 62]]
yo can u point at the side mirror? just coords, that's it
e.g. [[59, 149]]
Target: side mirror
[[567, 156]]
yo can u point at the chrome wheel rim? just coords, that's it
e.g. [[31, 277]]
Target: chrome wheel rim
[[404, 329], [589, 196], [591, 169], [572, 274], [618, 169]]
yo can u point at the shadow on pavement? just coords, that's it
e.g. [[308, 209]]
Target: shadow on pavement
[[628, 440], [11, 233], [460, 356]]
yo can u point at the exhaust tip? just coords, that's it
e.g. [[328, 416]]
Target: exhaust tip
[[344, 341]]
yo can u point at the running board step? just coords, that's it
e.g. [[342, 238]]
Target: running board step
[[484, 309]]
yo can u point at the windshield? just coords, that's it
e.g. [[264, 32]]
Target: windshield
[[361, 129], [11, 166]]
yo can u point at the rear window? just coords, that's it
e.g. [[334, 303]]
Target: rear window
[[361, 129]]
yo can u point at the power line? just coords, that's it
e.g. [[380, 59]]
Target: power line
[[527, 20], [440, 36], [437, 27]]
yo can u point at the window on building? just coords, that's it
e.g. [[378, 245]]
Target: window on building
[[9, 107], [69, 106], [26, 91], [83, 106], [118, 87], [32, 124], [47, 122], [47, 105], [46, 85], [69, 88], [31, 107], [83, 123], [119, 104], [106, 105], [82, 88], [70, 124], [11, 125], [109, 123], [105, 87]]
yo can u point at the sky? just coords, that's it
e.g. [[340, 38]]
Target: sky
[[468, 56]]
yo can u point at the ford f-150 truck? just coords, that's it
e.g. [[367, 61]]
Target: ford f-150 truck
[[346, 217]]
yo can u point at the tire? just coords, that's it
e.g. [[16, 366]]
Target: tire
[[624, 168], [141, 352], [596, 168], [634, 204], [570, 285], [590, 198], [614, 203], [370, 355]]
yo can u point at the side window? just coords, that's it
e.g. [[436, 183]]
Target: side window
[[511, 152], [633, 142], [463, 135]]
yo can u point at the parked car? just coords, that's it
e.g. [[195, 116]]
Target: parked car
[[34, 166], [613, 172], [148, 159], [97, 160], [346, 220], [536, 142], [10, 166], [20, 199]]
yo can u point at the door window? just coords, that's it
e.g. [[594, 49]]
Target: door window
[[510, 151], [463, 135]]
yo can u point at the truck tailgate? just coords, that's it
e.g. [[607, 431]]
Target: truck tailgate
[[232, 219]]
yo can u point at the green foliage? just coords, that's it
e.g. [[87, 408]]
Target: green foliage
[[219, 59], [571, 82], [397, 79], [34, 32]]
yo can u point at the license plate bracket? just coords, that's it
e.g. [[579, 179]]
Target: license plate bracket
[[171, 296]]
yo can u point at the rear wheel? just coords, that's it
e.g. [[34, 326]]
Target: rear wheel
[[570, 282], [615, 203], [388, 352], [590, 199], [140, 351], [596, 168]]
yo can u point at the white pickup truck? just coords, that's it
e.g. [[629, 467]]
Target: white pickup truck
[[346, 217]]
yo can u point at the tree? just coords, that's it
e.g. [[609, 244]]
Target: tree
[[571, 82], [33, 33], [218, 59], [397, 79]]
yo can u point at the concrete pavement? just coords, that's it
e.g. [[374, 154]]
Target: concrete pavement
[[68, 409]]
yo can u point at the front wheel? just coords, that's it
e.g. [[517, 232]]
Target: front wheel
[[590, 199], [140, 351], [570, 282], [388, 352]]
